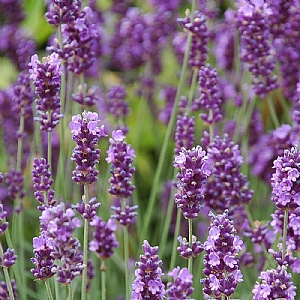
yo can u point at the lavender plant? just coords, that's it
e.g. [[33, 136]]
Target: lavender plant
[[228, 226]]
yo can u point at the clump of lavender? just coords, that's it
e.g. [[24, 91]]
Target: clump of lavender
[[197, 27], [221, 266], [86, 132], [4, 293], [46, 76], [104, 238], [228, 187], [43, 259], [182, 287], [210, 97], [148, 283], [256, 50], [57, 227], [194, 172], [42, 183], [286, 192], [276, 284]]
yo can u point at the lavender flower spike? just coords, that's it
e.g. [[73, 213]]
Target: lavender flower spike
[[194, 171], [148, 283], [86, 132]]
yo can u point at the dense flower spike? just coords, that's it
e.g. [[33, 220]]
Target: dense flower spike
[[182, 288], [42, 182], [15, 181], [256, 50], [210, 96], [43, 259], [194, 171], [276, 284], [8, 258], [184, 132], [198, 29], [86, 132], [104, 238], [228, 187], [221, 266], [46, 76], [286, 192], [120, 154], [148, 283], [57, 227]]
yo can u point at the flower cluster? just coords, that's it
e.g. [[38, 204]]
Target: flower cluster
[[148, 283], [221, 266], [256, 50], [182, 286], [186, 250], [194, 171], [3, 223], [86, 132], [286, 192], [87, 210], [4, 294], [228, 187], [46, 76], [8, 258], [42, 182], [124, 216], [276, 284], [104, 238]]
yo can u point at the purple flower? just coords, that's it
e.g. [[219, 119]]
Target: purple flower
[[124, 216], [4, 294], [8, 259], [256, 50], [46, 76], [86, 132], [148, 283], [221, 266], [104, 238], [182, 287], [3, 223], [186, 251], [275, 284], [286, 193], [120, 154], [210, 97], [228, 187], [87, 210], [194, 171], [87, 97]]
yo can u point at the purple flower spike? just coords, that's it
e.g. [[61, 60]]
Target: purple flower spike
[[276, 284], [86, 132], [194, 171], [46, 76], [186, 251], [182, 288], [3, 214], [221, 266], [9, 258], [104, 238], [87, 210], [148, 283], [126, 216], [286, 192], [4, 294], [42, 182], [120, 154]]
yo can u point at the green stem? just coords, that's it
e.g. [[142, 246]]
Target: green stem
[[49, 154], [48, 290], [176, 234], [57, 296], [167, 138], [103, 284], [273, 112], [284, 234], [70, 297], [85, 248], [190, 261]]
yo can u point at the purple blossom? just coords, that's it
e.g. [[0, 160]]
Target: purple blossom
[[124, 215], [86, 132], [3, 223], [120, 154], [46, 76], [182, 287], [148, 283], [8, 259], [4, 294], [286, 193], [87, 210], [87, 97], [194, 172], [104, 238], [221, 266], [275, 284], [186, 250]]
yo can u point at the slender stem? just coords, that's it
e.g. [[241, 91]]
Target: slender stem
[[103, 284], [70, 297], [85, 248], [284, 235], [126, 255], [273, 112], [192, 87], [56, 289], [49, 157], [7, 278], [48, 290], [176, 234], [190, 261], [167, 138]]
